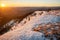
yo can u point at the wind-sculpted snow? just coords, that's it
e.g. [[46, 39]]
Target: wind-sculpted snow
[[25, 31]]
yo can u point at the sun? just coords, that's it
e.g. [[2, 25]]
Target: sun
[[2, 5]]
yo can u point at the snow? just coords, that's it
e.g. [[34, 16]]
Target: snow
[[25, 31]]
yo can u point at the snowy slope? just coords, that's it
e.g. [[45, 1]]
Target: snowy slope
[[25, 31]]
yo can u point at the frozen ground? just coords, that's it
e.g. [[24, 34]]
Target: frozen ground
[[24, 30]]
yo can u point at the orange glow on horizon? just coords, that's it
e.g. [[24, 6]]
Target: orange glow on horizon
[[27, 5]]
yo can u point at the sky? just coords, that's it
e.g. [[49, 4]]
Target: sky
[[32, 3]]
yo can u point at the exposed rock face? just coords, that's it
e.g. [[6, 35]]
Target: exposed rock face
[[36, 26]]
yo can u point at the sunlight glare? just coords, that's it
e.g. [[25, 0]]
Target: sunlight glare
[[3, 5]]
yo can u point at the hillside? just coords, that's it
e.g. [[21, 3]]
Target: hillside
[[30, 27], [9, 13]]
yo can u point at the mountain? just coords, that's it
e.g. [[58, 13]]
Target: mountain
[[30, 27], [9, 13]]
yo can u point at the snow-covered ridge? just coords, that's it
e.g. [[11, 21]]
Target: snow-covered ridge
[[44, 17], [24, 30]]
